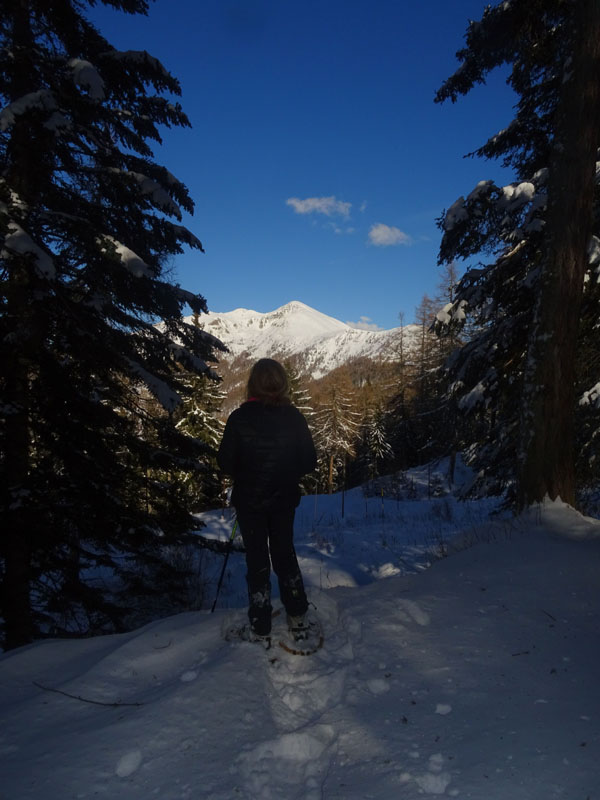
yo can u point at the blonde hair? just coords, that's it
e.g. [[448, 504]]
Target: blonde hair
[[269, 383]]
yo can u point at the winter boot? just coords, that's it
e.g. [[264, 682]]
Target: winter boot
[[298, 627], [247, 634]]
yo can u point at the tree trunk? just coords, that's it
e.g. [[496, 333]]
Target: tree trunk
[[546, 464], [17, 467], [18, 370]]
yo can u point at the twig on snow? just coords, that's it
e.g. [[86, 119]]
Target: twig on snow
[[82, 699]]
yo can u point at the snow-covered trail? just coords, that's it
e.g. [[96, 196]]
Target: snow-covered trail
[[475, 679]]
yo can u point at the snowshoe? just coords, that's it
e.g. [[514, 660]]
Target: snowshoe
[[245, 633], [304, 636]]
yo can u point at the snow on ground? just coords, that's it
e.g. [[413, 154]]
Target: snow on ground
[[474, 678]]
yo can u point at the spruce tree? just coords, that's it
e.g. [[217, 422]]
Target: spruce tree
[[88, 222]]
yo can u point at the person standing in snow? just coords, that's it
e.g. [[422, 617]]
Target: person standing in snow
[[266, 448]]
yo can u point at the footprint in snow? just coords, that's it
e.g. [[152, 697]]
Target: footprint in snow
[[290, 766], [436, 780], [414, 612], [128, 763], [302, 697], [378, 686]]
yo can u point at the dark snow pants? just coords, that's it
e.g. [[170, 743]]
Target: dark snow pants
[[265, 534]]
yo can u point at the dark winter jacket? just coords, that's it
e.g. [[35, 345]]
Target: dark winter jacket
[[266, 449]]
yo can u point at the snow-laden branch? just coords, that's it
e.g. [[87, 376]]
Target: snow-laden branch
[[455, 214], [594, 251], [148, 186], [42, 99], [186, 236], [516, 195], [130, 260], [19, 242], [591, 397], [87, 76], [452, 312], [526, 197], [478, 396], [188, 358], [168, 399], [134, 57]]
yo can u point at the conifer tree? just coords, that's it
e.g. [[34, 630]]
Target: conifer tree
[[399, 422], [375, 450], [416, 410], [336, 434], [88, 221], [529, 299], [300, 395], [302, 400], [198, 417], [427, 352], [587, 434]]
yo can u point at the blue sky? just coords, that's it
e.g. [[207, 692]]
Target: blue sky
[[317, 158]]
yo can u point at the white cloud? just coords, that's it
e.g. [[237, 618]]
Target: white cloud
[[387, 235], [320, 205], [339, 229], [365, 324]]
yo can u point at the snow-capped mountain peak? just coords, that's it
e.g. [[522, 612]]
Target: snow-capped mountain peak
[[295, 329]]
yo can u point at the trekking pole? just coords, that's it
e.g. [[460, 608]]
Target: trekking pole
[[229, 542]]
